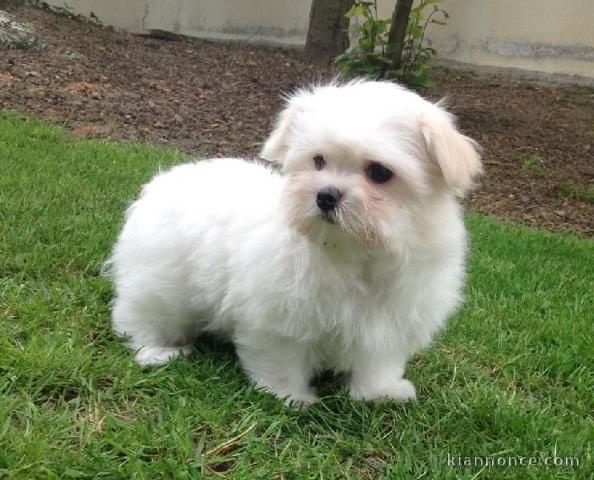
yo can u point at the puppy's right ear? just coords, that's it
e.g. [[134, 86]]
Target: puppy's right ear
[[275, 148]]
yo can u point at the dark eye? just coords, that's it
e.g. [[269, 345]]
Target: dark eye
[[319, 162], [378, 173]]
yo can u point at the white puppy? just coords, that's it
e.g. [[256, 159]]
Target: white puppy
[[349, 259]]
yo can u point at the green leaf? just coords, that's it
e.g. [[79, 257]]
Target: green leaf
[[357, 10], [72, 473], [416, 10], [381, 26], [366, 42], [415, 31], [198, 452]]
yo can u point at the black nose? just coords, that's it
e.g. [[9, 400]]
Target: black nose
[[328, 198]]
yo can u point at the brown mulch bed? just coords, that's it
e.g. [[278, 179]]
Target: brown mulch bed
[[213, 99]]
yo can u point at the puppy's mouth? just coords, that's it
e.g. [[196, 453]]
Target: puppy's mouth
[[329, 217]]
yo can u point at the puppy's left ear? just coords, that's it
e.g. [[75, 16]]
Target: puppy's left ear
[[277, 144], [456, 155]]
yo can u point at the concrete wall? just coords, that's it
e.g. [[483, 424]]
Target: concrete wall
[[544, 36], [271, 21], [278, 22], [125, 14]]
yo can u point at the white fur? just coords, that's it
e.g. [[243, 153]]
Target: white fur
[[237, 249]]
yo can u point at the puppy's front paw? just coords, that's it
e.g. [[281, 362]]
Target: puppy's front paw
[[300, 399], [155, 356], [297, 398], [400, 391]]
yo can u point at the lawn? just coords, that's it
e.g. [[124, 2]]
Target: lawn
[[510, 377]]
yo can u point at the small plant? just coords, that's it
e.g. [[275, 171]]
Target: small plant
[[375, 57], [578, 192], [529, 161], [509, 121]]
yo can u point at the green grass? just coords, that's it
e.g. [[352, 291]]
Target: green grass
[[511, 375]]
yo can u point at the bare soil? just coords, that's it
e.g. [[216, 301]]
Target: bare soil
[[214, 99]]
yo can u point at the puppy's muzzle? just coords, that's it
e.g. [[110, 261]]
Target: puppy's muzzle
[[328, 199]]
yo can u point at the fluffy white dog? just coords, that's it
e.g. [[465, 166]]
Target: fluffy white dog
[[349, 259]]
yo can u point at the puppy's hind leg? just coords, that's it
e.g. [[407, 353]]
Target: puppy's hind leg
[[157, 334], [281, 366]]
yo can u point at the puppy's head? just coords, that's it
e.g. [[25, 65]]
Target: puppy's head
[[366, 161]]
